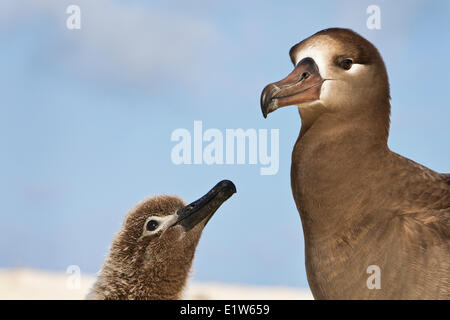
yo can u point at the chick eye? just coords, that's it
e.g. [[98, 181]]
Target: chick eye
[[152, 225], [346, 64]]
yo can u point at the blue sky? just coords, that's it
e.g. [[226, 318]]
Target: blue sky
[[86, 118]]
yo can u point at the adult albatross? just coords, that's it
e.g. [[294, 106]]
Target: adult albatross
[[362, 206]]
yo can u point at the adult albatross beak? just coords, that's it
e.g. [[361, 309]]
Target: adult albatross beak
[[206, 206], [301, 85]]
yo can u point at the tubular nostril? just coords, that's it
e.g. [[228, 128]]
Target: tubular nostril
[[304, 75]]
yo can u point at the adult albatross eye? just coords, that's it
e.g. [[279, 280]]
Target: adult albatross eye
[[152, 225], [346, 64]]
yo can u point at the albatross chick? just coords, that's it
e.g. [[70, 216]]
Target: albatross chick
[[152, 253]]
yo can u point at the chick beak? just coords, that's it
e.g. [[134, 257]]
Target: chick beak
[[204, 208]]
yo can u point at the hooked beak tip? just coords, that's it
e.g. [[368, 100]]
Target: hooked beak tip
[[267, 99]]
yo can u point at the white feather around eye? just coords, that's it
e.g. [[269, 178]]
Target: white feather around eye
[[163, 223]]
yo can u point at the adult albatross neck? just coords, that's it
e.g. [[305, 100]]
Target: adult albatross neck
[[360, 203]]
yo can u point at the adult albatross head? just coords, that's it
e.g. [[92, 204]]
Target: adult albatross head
[[335, 70]]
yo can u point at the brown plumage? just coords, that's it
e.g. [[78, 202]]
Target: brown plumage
[[152, 253], [360, 203]]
